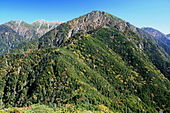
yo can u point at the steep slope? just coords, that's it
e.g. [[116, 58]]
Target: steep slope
[[43, 26], [20, 32], [158, 35], [74, 73], [161, 38], [22, 28], [8, 38], [33, 30], [98, 19], [95, 62], [91, 21], [168, 36]]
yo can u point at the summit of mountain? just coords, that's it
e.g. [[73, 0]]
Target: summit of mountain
[[91, 21], [95, 20]]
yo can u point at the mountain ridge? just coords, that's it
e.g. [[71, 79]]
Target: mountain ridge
[[154, 32], [25, 31], [28, 30], [96, 62], [92, 20], [99, 19]]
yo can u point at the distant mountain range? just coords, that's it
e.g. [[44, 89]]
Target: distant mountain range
[[16, 32], [158, 35], [161, 38], [35, 29], [94, 63], [168, 36]]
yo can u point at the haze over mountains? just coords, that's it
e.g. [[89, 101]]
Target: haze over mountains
[[96, 62]]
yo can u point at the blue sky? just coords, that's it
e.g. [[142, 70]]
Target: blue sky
[[141, 13]]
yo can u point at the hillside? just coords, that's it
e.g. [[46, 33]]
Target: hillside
[[96, 62], [8, 38], [156, 51], [161, 38]]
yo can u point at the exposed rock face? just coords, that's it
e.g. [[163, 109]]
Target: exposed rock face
[[34, 30], [86, 23], [22, 28], [43, 26], [95, 20], [16, 32], [122, 69], [90, 21]]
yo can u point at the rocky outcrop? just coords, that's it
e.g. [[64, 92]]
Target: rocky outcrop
[[33, 30], [17, 32], [86, 23], [94, 20], [42, 26]]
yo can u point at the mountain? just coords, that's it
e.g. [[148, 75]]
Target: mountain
[[154, 32], [35, 29], [168, 35], [97, 19], [96, 62], [8, 38], [160, 38], [157, 34], [86, 23], [16, 33]]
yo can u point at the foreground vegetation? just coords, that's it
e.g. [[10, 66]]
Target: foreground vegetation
[[37, 108]]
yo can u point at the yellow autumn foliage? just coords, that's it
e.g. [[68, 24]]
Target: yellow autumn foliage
[[103, 108]]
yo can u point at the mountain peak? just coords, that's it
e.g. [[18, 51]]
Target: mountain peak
[[42, 21], [154, 32], [93, 20], [32, 30], [89, 22], [102, 14], [98, 12], [18, 22]]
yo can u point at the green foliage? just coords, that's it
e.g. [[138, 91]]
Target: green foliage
[[56, 37], [103, 70]]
